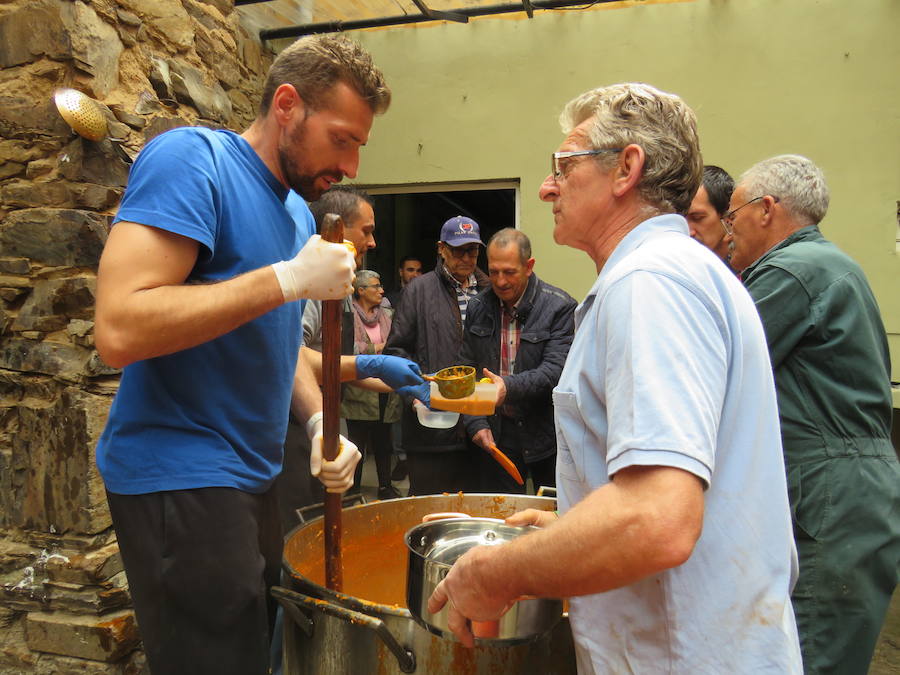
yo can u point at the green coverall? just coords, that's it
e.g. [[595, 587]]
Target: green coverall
[[832, 374]]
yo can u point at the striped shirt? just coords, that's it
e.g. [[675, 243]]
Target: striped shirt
[[463, 295], [509, 339]]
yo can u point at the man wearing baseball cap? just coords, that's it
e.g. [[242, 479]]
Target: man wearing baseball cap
[[428, 329]]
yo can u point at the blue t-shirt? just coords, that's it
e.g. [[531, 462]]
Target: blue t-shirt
[[214, 415]]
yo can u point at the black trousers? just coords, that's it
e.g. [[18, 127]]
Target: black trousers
[[200, 564], [494, 477], [295, 486], [431, 473], [372, 436]]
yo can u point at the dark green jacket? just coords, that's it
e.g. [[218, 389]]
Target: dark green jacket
[[832, 377], [828, 347]]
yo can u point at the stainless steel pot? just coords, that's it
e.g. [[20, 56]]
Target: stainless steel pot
[[434, 547], [368, 629]]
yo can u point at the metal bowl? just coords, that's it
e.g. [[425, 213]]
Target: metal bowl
[[435, 546]]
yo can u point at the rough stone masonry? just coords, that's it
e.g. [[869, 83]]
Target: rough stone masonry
[[152, 65]]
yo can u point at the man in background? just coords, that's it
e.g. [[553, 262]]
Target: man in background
[[832, 374], [295, 488], [518, 332], [428, 329], [705, 213], [410, 268]]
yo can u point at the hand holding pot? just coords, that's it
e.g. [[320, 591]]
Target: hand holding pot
[[469, 595], [534, 517]]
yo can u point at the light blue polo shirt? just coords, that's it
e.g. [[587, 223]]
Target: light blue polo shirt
[[669, 367]]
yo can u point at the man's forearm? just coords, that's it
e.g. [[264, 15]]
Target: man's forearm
[[306, 397], [348, 370], [615, 536], [167, 319]]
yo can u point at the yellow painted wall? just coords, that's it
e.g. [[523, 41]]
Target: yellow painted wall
[[815, 77]]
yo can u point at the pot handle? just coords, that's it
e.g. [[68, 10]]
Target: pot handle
[[294, 603], [441, 515], [313, 511]]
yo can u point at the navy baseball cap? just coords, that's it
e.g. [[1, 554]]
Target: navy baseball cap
[[460, 230]]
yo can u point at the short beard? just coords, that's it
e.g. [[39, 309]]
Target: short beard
[[303, 184]]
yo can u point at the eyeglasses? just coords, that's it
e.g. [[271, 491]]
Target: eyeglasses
[[728, 218], [461, 252], [374, 286], [558, 170]]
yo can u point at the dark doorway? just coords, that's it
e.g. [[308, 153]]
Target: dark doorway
[[409, 223]]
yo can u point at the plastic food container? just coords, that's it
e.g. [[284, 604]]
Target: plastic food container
[[435, 419]]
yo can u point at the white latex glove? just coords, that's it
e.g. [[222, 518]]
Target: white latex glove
[[336, 475], [320, 271]]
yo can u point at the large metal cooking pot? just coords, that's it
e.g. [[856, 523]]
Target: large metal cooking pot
[[368, 629], [434, 547]]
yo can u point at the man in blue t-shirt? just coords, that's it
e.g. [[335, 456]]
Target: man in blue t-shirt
[[197, 298]]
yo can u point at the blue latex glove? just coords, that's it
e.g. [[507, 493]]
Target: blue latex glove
[[394, 371], [419, 391]]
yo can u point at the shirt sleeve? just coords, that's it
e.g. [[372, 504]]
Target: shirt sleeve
[[312, 325], [665, 374], [784, 308], [172, 186]]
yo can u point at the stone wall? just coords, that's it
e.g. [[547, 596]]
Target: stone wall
[[152, 65]]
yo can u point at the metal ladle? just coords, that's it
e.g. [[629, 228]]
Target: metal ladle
[[85, 116]]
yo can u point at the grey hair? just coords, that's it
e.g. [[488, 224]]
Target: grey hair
[[362, 278], [660, 123], [510, 235], [797, 182]]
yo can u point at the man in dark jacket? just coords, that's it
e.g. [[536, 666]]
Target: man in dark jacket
[[428, 329], [518, 332]]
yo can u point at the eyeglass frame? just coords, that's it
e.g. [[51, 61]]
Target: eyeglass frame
[[460, 252], [556, 173], [728, 219], [378, 285]]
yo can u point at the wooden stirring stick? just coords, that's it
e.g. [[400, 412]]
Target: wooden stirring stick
[[332, 230]]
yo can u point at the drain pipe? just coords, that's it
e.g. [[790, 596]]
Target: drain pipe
[[380, 22]]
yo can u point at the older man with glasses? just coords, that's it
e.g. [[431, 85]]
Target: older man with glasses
[[428, 329], [832, 374], [673, 542]]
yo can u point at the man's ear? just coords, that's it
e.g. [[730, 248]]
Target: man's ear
[[629, 169], [768, 215], [287, 104]]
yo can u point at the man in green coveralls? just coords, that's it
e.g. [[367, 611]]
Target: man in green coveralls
[[832, 374]]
